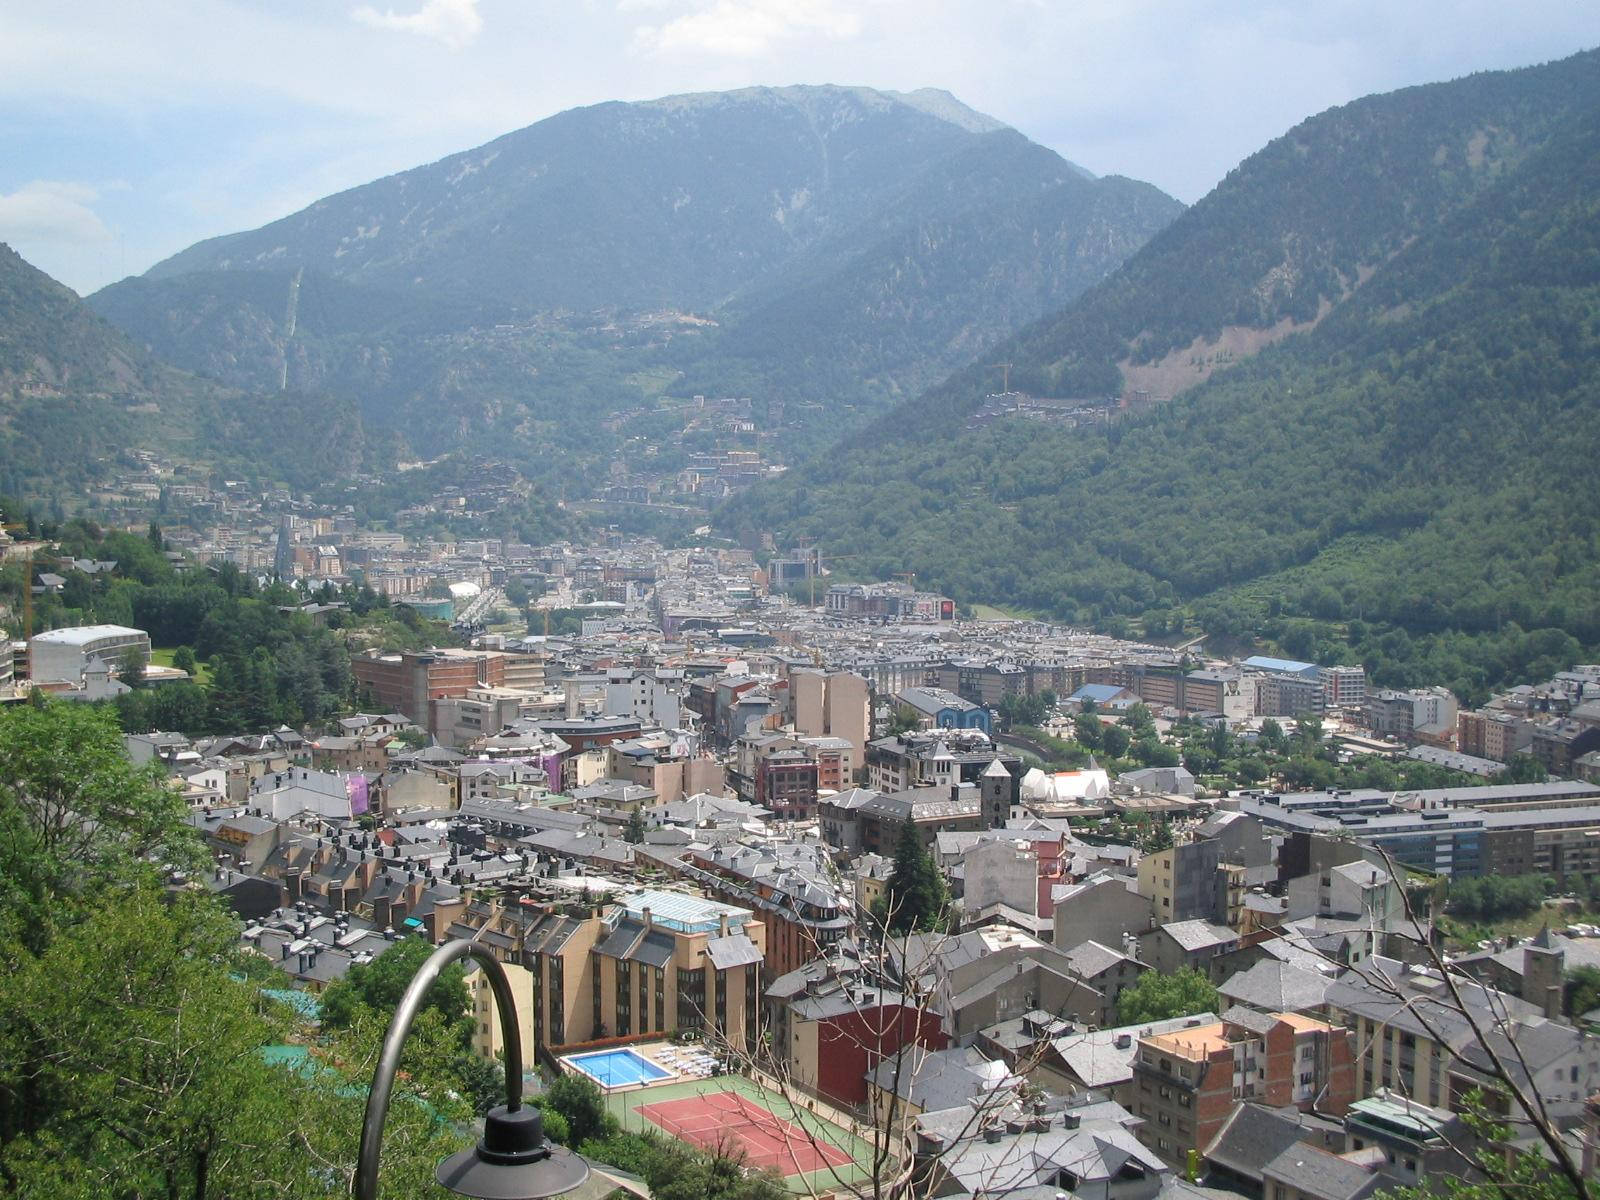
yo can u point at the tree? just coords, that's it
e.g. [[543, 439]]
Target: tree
[[635, 830], [184, 660], [1115, 740], [1582, 991], [915, 895], [76, 816], [1523, 768], [1157, 836], [130, 667], [376, 988], [1088, 730], [580, 1103], [1158, 997]]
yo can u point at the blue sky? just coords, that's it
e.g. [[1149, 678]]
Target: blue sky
[[131, 130]]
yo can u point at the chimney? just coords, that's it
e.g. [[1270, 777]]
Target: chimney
[[649, 922]]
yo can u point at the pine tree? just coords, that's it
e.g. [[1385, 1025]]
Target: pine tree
[[915, 896]]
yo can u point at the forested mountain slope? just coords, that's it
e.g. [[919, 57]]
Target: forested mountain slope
[[832, 248], [1407, 474], [76, 396]]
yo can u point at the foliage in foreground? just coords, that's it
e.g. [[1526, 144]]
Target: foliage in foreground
[[134, 1045]]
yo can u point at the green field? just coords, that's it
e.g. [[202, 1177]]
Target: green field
[[163, 658]]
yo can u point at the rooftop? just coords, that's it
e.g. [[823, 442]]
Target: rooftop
[[688, 914], [83, 635]]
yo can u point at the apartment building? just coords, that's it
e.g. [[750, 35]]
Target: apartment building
[[412, 682], [1184, 884], [1188, 1081], [1489, 734], [655, 962], [832, 704]]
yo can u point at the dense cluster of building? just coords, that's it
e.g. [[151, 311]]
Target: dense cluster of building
[[680, 823]]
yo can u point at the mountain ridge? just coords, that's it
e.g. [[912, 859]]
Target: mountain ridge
[[1367, 487], [826, 249]]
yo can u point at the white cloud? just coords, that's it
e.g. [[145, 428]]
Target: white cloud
[[745, 28], [456, 23], [48, 210]]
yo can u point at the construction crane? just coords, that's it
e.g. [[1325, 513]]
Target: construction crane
[[909, 576], [1005, 385]]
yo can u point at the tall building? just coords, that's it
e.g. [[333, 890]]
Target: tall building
[[412, 681], [1188, 1082], [831, 704], [656, 962], [1183, 883], [1344, 687]]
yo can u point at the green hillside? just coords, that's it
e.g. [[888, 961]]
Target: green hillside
[[1399, 485], [833, 250], [78, 400]]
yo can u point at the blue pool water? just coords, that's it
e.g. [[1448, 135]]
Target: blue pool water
[[618, 1068]]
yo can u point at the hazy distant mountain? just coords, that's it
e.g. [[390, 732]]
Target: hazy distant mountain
[[1383, 326], [76, 396], [838, 245]]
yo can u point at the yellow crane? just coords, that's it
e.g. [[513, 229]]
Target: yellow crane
[[1005, 384]]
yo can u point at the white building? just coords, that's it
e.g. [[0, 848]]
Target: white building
[[62, 655], [285, 794], [650, 697]]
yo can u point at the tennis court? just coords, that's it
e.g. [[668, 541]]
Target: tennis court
[[813, 1153], [723, 1119]]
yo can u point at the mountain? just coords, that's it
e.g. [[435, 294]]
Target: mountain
[[73, 389], [1382, 331], [79, 401], [828, 248]]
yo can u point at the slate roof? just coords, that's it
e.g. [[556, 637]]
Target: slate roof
[[1199, 934], [1253, 1136], [1274, 986], [735, 950], [1325, 1176]]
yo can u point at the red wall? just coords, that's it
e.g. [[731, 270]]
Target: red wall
[[850, 1045]]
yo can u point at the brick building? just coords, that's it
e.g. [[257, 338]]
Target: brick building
[[1187, 1082], [411, 681]]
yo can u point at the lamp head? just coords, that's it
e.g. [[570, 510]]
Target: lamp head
[[513, 1161]]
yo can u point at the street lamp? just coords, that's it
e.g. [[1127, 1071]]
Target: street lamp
[[513, 1160]]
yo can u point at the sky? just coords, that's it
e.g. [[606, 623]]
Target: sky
[[131, 130]]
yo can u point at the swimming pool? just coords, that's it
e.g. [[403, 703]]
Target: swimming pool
[[617, 1068]]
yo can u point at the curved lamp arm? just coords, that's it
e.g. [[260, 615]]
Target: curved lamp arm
[[366, 1182]]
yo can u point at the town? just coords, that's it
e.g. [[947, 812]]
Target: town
[[993, 905]]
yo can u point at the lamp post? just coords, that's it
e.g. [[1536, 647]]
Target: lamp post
[[513, 1160]]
